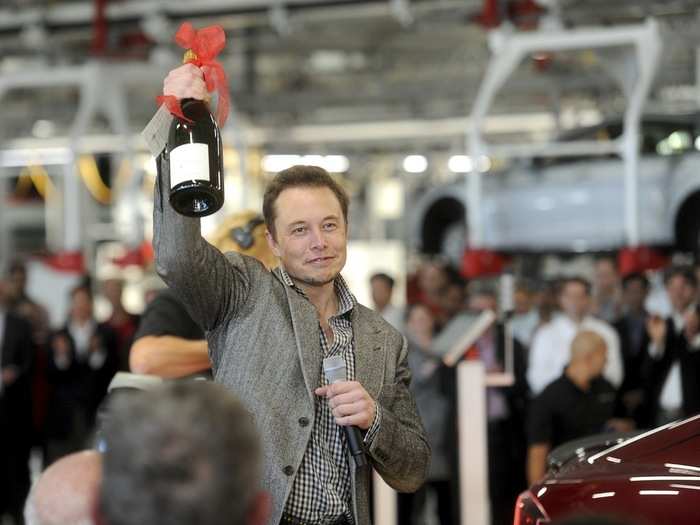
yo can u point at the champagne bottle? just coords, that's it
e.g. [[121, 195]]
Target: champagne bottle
[[195, 155]]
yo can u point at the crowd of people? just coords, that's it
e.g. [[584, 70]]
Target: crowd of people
[[585, 362], [53, 378], [588, 357]]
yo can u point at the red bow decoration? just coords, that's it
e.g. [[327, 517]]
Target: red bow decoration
[[206, 44]]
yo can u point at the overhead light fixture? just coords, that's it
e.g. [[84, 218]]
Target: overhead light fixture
[[275, 163], [336, 163], [460, 164], [43, 129], [484, 164], [415, 164]]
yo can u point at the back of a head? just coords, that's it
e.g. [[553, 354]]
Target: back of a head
[[244, 232], [177, 455], [585, 343], [67, 492]]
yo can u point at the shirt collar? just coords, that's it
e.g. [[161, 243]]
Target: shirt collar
[[346, 300]]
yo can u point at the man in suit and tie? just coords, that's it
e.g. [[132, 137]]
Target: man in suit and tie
[[674, 390], [634, 344], [268, 333], [16, 352]]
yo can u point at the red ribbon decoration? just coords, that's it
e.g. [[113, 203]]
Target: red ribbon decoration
[[206, 43]]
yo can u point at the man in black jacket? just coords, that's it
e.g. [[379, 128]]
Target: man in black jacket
[[83, 359], [634, 345], [674, 386], [15, 409]]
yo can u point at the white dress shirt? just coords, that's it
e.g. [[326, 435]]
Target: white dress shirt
[[551, 350], [672, 392]]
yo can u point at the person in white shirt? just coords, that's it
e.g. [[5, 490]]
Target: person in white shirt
[[674, 387], [550, 347]]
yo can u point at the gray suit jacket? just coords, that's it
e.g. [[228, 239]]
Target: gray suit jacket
[[264, 345]]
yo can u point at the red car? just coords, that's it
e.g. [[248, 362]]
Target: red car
[[649, 479]]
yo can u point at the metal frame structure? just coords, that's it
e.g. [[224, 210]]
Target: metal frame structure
[[100, 93], [633, 71]]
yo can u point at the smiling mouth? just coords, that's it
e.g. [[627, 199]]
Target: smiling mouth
[[319, 260]]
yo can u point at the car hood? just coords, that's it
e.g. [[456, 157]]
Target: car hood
[[672, 450]]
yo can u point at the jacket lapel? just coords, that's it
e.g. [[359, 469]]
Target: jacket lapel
[[369, 337], [370, 351], [308, 345]]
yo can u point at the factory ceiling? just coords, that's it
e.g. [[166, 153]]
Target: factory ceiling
[[340, 64]]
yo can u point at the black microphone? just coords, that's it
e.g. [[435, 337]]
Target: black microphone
[[334, 370]]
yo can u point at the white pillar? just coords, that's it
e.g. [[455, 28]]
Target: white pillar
[[385, 507], [473, 449]]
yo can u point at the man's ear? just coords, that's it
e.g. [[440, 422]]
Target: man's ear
[[272, 243], [260, 509]]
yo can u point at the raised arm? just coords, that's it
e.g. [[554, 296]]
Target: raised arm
[[201, 276]]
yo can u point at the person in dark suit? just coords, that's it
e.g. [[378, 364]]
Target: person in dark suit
[[674, 388], [16, 350], [83, 359], [634, 344]]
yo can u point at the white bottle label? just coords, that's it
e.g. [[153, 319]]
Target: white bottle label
[[189, 162]]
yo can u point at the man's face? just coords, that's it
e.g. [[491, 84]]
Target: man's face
[[381, 292], [452, 300], [522, 301], [634, 295], [81, 306], [310, 234], [574, 300], [680, 293], [16, 283], [420, 321], [432, 279], [480, 302], [605, 275]]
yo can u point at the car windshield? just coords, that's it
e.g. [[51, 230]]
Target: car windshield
[[658, 137]]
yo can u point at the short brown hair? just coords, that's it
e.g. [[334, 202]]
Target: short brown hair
[[300, 177]]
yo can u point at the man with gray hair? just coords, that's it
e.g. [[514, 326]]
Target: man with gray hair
[[181, 454], [67, 492]]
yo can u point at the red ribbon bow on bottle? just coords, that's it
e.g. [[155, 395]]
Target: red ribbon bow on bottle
[[206, 44]]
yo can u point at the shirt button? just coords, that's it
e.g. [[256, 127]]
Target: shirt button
[[288, 470], [304, 421]]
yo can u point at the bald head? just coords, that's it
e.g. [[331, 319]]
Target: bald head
[[586, 342], [67, 492], [589, 349]]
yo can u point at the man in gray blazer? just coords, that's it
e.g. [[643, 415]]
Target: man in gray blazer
[[268, 333]]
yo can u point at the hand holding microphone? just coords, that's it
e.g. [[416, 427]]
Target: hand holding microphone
[[350, 403]]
